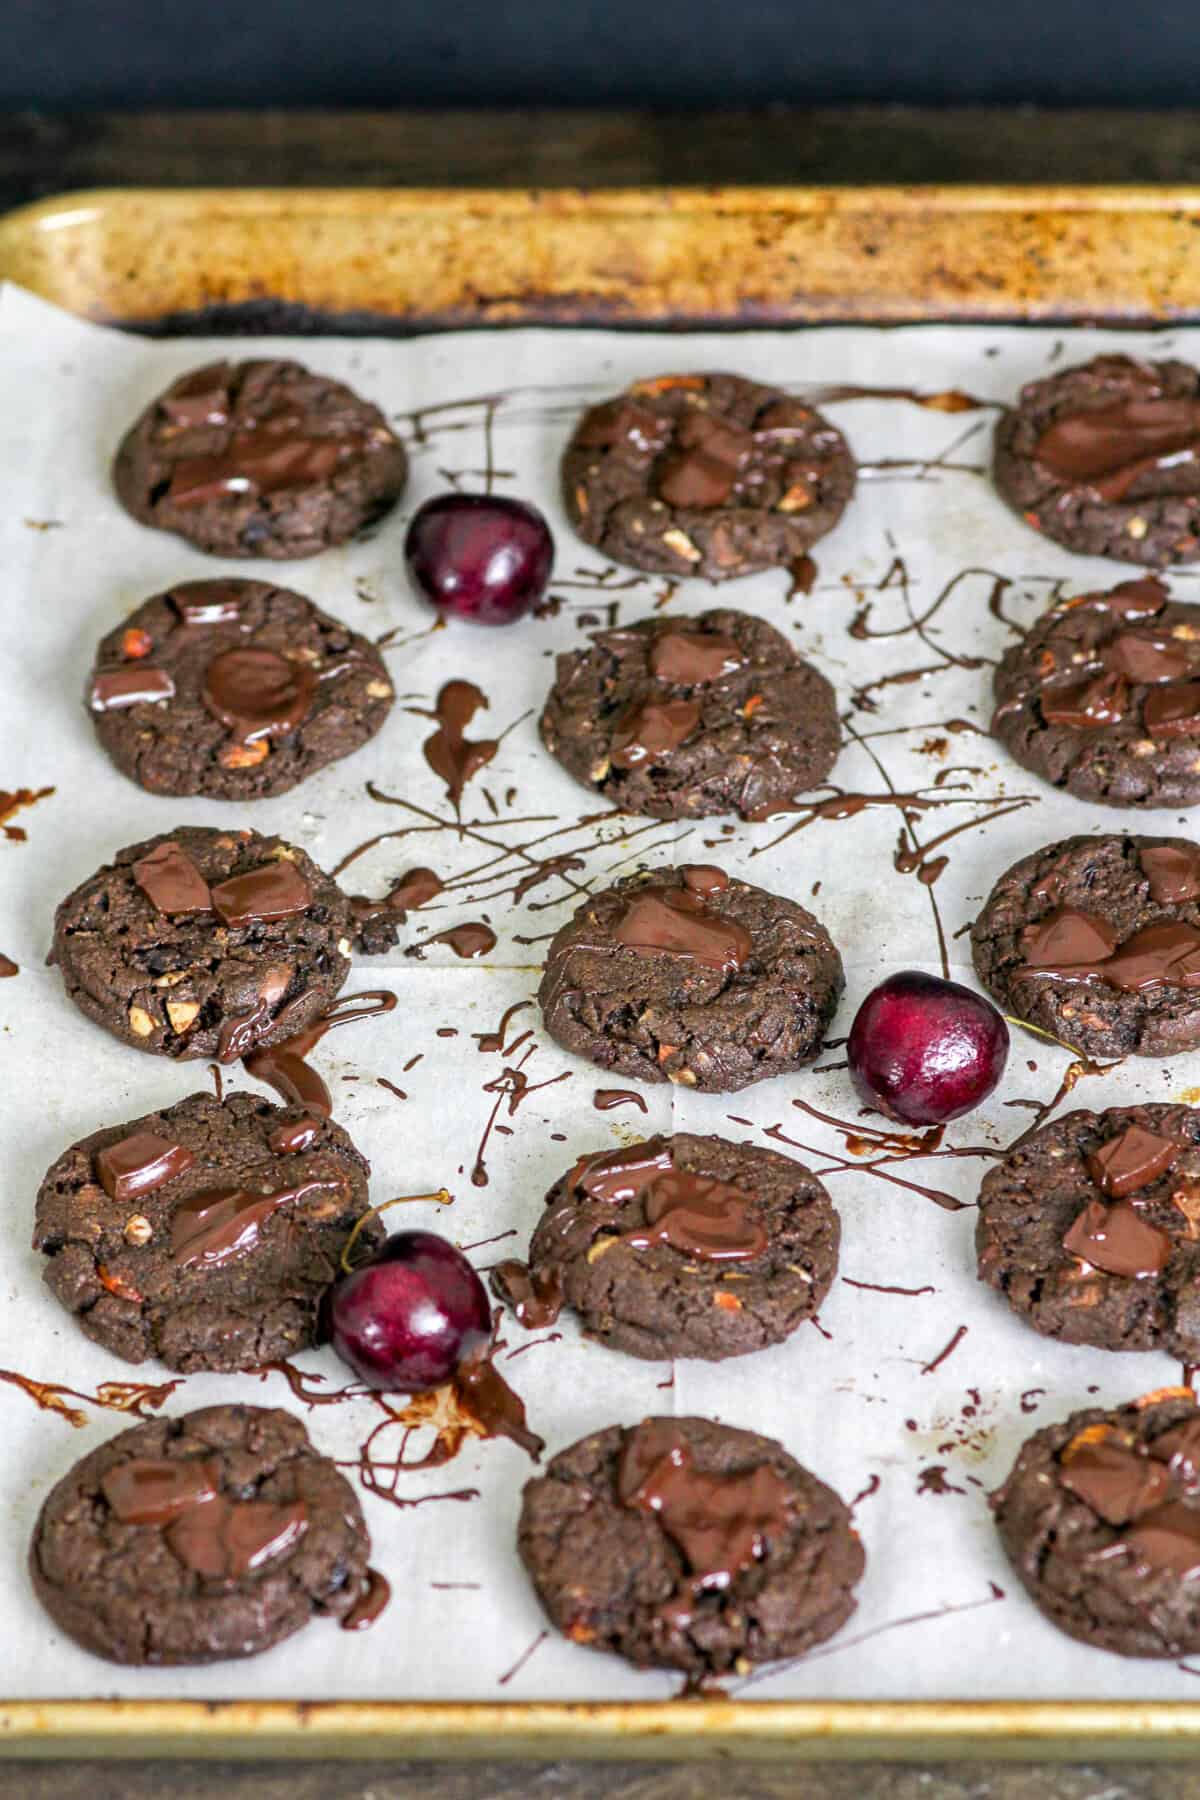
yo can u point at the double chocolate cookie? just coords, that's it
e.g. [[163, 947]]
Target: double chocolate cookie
[[707, 475], [204, 943], [206, 1234], [687, 975], [190, 1540], [683, 1544], [260, 458], [1103, 458], [1100, 1518], [1102, 697], [1096, 940], [235, 689], [680, 1246], [680, 718], [1090, 1228]]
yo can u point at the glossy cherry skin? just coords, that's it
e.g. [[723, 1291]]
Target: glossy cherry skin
[[405, 1320], [479, 557], [923, 1050]]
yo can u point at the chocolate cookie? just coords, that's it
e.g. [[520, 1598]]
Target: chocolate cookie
[[1097, 941], [190, 1540], [680, 1246], [204, 943], [1102, 697], [260, 458], [1100, 1518], [687, 975], [235, 689], [682, 1544], [1091, 1229], [206, 1234], [1103, 458], [680, 718], [707, 475]]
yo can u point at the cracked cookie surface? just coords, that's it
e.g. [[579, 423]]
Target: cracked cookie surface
[[708, 475], [194, 1539], [204, 1234], [689, 976]]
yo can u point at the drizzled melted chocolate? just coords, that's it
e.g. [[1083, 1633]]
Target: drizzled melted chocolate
[[220, 1225], [283, 1066], [451, 755]]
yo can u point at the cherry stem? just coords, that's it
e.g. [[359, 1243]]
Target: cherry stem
[[442, 1197], [1049, 1036]]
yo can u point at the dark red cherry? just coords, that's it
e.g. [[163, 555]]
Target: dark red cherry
[[480, 557], [924, 1050], [406, 1319]]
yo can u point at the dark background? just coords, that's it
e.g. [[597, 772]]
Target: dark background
[[703, 53]]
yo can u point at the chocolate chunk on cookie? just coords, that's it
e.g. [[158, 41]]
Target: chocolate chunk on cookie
[[707, 475], [194, 1539], [261, 458], [683, 1544], [1096, 940], [205, 1234], [204, 943], [687, 975], [1102, 697], [235, 689], [1104, 458], [681, 718], [1090, 1228], [680, 1246], [1100, 1518]]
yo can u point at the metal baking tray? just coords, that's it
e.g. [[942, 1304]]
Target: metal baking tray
[[391, 260]]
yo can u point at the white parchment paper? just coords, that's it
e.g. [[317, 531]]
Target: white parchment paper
[[856, 1400]]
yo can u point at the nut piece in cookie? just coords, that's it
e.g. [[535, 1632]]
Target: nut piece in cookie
[[680, 1246], [683, 1544], [206, 1234], [195, 1539], [682, 718], [1105, 458], [689, 976], [204, 943], [708, 475], [261, 458], [1102, 697], [1090, 1228], [1096, 940], [1100, 1518], [234, 689]]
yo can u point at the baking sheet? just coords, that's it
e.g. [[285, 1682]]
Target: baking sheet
[[864, 1406]]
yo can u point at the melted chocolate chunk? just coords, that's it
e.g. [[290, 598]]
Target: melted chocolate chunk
[[1172, 872], [721, 1523], [1087, 705], [172, 882], [449, 754], [1146, 658], [694, 658], [1180, 1447], [224, 1539], [1173, 710], [1117, 1482], [1118, 1240], [675, 922], [1167, 1539], [201, 398], [1157, 956], [152, 1491], [1070, 939], [711, 452], [276, 890], [619, 1175], [652, 728], [708, 1219], [129, 687], [1108, 448], [220, 1224], [140, 1164], [1131, 1161], [207, 602], [257, 693]]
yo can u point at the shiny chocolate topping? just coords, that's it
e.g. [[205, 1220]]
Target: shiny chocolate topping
[[1080, 947], [1180, 1448], [140, 1164], [669, 921], [153, 1491], [700, 1217], [652, 728], [1139, 598], [693, 658], [258, 693], [1165, 955], [1108, 449], [1173, 710], [1167, 1539], [1172, 871], [114, 688], [535, 1295], [483, 1392], [1130, 1161], [221, 1224], [702, 470], [623, 421], [721, 1523], [171, 882], [199, 398], [275, 890], [1118, 1240], [1116, 1480], [703, 878], [206, 602], [1147, 657], [1067, 937], [294, 1135], [224, 1539], [620, 1175], [1086, 705], [376, 1592]]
